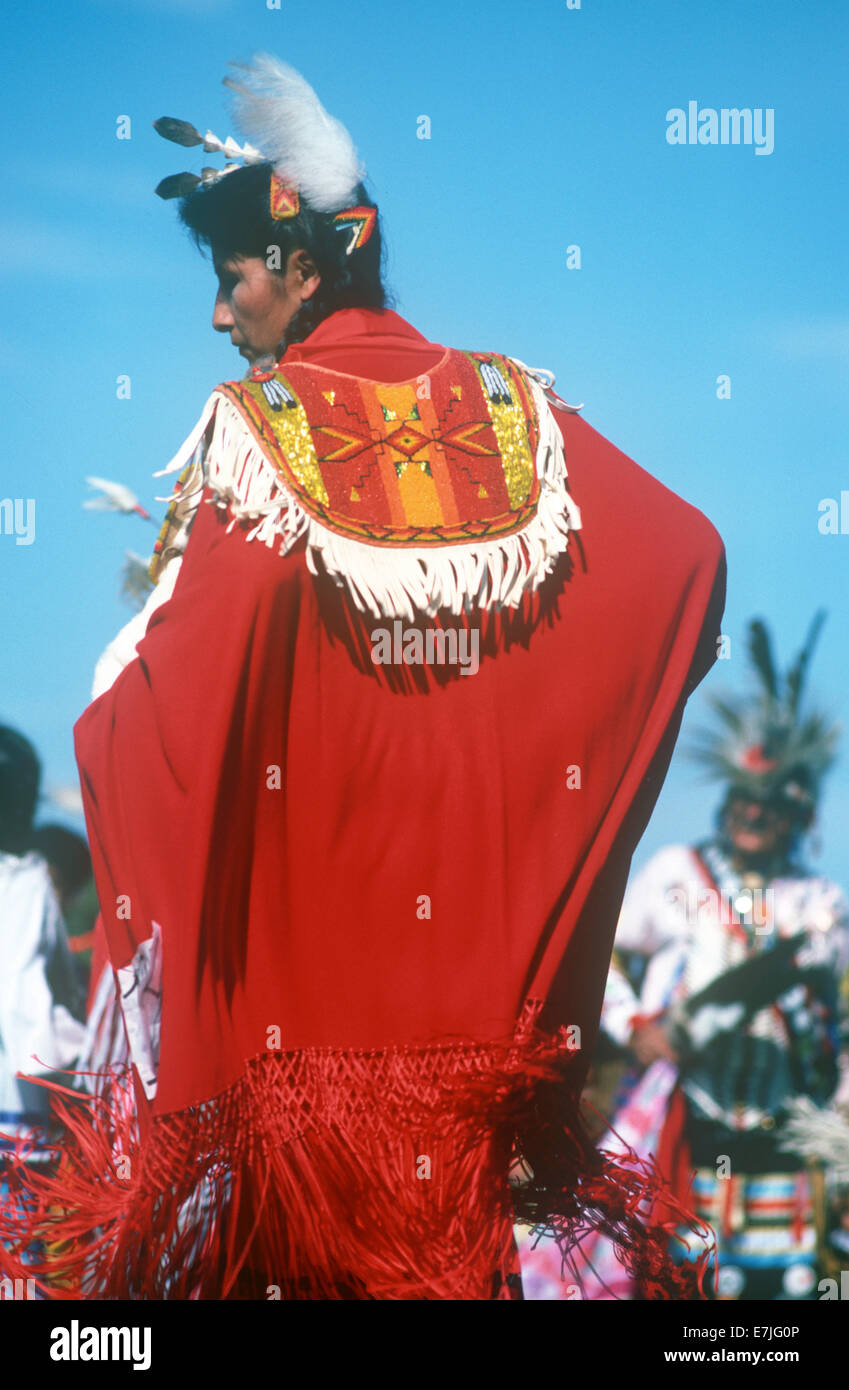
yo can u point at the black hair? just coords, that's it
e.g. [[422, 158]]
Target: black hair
[[794, 796], [67, 854], [232, 217], [20, 777], [800, 813]]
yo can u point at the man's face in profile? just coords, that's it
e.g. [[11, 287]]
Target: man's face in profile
[[255, 305]]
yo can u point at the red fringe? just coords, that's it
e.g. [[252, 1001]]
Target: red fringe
[[333, 1174]]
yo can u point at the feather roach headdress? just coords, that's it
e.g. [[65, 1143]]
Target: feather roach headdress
[[764, 746], [311, 153]]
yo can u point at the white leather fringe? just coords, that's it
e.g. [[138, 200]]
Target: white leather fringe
[[384, 580]]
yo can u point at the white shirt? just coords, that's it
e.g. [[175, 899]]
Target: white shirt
[[37, 1033], [667, 916]]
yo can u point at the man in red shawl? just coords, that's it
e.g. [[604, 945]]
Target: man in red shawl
[[363, 782]]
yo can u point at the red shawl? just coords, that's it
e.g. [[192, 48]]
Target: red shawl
[[366, 968]]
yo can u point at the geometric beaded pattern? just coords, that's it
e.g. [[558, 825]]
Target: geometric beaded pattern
[[447, 457]]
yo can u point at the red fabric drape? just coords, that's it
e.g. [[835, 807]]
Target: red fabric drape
[[430, 861], [298, 907]]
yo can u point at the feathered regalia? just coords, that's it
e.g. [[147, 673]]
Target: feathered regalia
[[765, 748], [312, 154]]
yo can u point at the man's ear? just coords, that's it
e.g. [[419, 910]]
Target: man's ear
[[304, 267]]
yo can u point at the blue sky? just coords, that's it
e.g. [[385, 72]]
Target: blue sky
[[548, 129]]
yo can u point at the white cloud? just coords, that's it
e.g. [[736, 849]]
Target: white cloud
[[822, 338], [34, 248], [67, 798], [31, 248]]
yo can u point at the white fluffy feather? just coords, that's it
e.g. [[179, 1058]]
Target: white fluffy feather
[[278, 110], [816, 1133]]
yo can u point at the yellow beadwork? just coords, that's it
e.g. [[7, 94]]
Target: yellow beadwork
[[292, 432], [511, 431]]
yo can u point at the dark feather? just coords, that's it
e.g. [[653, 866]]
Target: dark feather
[[817, 741], [760, 650], [177, 185], [731, 711], [798, 671], [179, 132]]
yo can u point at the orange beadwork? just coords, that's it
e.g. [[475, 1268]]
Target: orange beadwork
[[447, 458], [284, 201], [361, 221]]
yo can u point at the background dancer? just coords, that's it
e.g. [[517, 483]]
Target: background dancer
[[740, 1013]]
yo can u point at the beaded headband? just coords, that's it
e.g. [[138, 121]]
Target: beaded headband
[[284, 202]]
